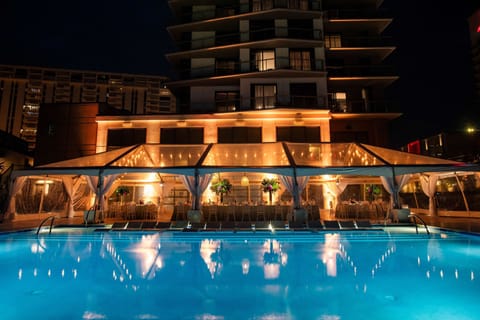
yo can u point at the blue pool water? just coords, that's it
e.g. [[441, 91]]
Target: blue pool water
[[175, 275]]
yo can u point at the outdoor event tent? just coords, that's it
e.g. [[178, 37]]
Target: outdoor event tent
[[293, 161]]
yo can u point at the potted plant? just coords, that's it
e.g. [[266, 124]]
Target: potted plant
[[270, 185], [221, 187]]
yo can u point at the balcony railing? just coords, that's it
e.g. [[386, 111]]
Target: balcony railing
[[252, 35], [239, 67], [291, 102], [360, 71], [361, 106], [231, 10], [372, 41], [357, 14]]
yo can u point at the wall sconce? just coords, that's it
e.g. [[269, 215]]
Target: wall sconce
[[240, 120], [298, 121], [244, 182], [181, 123], [127, 124]]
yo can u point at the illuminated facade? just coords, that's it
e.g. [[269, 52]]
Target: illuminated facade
[[24, 89], [237, 56]]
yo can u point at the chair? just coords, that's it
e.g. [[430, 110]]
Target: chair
[[331, 224], [212, 226], [315, 225], [134, 225], [212, 213], [347, 224], [230, 213], [363, 224], [278, 213], [246, 213], [180, 213], [297, 225], [260, 213], [119, 225], [149, 224], [162, 225]]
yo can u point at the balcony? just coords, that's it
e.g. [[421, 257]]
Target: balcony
[[241, 67], [252, 35], [361, 106], [361, 71], [229, 10], [357, 14]]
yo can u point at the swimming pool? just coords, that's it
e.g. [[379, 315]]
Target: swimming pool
[[245, 275]]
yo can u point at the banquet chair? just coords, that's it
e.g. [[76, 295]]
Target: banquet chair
[[260, 213], [278, 215], [230, 213], [212, 213], [246, 213]]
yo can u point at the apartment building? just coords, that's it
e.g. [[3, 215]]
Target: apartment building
[[249, 55], [23, 89]]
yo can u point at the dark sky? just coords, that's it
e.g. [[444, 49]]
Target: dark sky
[[432, 56]]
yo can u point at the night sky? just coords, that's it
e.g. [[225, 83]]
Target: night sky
[[432, 56]]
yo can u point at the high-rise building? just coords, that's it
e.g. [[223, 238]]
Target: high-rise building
[[24, 89], [246, 55]]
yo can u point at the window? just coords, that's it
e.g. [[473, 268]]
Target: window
[[240, 135], [264, 96], [227, 100], [224, 67], [300, 60], [298, 134], [264, 60], [333, 41], [117, 138], [259, 5], [298, 4], [181, 136]]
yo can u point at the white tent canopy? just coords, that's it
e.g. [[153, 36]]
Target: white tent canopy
[[292, 160], [288, 159]]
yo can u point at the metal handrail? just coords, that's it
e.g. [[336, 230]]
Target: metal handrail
[[45, 220], [415, 217], [92, 209]]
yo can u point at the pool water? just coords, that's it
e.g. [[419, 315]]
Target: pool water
[[262, 275]]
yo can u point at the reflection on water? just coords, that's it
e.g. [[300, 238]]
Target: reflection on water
[[277, 276]]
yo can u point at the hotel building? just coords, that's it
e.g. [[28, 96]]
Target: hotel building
[[24, 89], [265, 70]]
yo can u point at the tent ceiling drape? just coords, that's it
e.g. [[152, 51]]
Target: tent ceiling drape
[[289, 159]]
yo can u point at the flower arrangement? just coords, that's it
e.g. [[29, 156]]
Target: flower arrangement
[[121, 191], [222, 186], [270, 185], [372, 191]]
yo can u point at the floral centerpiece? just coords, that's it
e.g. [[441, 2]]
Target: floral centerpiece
[[372, 191], [122, 191], [270, 185], [221, 187]]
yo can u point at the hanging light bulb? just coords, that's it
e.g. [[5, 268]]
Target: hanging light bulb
[[244, 182]]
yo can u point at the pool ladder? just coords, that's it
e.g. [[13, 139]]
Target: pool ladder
[[52, 218], [415, 217]]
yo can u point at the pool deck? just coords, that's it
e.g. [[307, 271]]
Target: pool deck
[[453, 223]]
